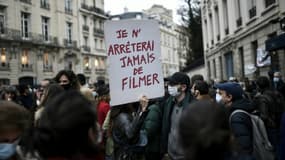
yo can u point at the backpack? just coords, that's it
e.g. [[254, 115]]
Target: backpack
[[262, 148]]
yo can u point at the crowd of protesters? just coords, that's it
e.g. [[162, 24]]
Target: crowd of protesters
[[65, 118]]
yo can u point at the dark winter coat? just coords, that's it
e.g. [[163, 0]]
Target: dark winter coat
[[241, 126], [166, 118]]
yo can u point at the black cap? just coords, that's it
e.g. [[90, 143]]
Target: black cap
[[179, 78]]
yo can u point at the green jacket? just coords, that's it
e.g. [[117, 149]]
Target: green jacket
[[152, 127], [166, 118]]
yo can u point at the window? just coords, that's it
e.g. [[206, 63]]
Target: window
[[217, 23], [46, 59], [45, 28], [25, 58], [252, 8], [2, 21], [84, 20], [3, 57], [45, 4], [221, 67], [96, 43], [241, 56], [226, 17], [96, 63], [95, 23], [25, 23], [85, 41], [69, 32], [68, 5], [238, 14], [209, 70], [212, 29], [269, 3], [101, 44], [86, 63], [214, 68]]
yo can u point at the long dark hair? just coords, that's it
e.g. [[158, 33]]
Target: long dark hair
[[64, 128], [50, 92]]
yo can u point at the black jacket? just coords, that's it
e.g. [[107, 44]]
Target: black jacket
[[127, 136], [241, 125]]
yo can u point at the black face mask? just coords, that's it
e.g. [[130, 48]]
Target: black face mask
[[66, 86]]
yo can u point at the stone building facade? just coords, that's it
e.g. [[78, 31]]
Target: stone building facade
[[235, 32], [40, 37], [169, 33]]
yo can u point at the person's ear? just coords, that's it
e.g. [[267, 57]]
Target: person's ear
[[183, 87]]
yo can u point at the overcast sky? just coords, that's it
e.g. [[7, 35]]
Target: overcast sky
[[117, 6]]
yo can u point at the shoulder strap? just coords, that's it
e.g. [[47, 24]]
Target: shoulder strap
[[238, 111]]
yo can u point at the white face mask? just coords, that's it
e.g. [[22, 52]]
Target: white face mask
[[173, 91], [275, 79], [218, 97]]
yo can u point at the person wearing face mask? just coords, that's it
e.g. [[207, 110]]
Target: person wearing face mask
[[14, 120], [241, 126], [278, 83], [178, 89], [68, 80]]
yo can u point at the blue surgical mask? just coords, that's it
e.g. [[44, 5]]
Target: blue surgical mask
[[7, 150]]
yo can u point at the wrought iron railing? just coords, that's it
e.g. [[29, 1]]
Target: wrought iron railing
[[27, 67], [269, 3], [47, 68], [85, 28], [4, 66], [45, 5], [86, 48], [17, 35], [98, 31], [26, 1], [252, 12], [69, 43]]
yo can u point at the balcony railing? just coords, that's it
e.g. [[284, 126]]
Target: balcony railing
[[93, 9], [86, 48], [68, 11], [70, 44], [84, 6], [239, 22], [27, 67], [98, 31], [269, 3], [4, 66], [87, 70], [252, 12], [45, 5], [47, 68], [100, 71], [17, 35], [85, 28], [26, 1]]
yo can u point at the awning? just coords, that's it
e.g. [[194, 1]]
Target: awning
[[275, 43]]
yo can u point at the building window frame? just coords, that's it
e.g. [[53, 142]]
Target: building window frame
[[45, 28], [69, 32], [25, 24]]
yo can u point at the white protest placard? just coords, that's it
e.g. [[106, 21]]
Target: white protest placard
[[133, 50]]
